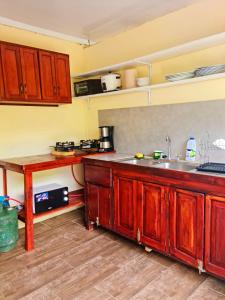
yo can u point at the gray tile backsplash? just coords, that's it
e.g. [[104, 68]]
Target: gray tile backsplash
[[144, 129]]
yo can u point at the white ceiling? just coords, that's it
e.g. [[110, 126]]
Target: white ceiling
[[86, 19]]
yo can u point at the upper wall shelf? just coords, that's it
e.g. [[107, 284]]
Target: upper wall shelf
[[119, 92], [148, 88], [196, 45]]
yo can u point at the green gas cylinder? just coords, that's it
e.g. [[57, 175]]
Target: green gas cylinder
[[8, 228]]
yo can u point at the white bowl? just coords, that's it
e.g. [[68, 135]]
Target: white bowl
[[142, 81]]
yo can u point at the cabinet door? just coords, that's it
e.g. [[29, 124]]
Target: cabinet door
[[92, 193], [98, 205], [47, 73], [63, 78], [125, 200], [215, 236], [12, 72], [2, 90], [30, 72], [104, 207], [152, 208], [186, 226]]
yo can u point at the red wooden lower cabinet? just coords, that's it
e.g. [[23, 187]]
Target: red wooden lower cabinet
[[98, 202], [152, 212], [187, 226], [125, 202], [215, 236]]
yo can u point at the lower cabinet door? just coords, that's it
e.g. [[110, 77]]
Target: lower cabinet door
[[92, 192], [152, 211], [98, 205], [125, 200], [104, 207], [187, 226], [215, 236]]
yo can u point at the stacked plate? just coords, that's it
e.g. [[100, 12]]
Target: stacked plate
[[180, 76], [210, 70]]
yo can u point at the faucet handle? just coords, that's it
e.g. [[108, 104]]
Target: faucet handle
[[168, 139], [179, 157]]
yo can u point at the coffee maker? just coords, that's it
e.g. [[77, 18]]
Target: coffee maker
[[106, 139]]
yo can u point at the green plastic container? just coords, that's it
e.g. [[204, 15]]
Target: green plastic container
[[8, 228]]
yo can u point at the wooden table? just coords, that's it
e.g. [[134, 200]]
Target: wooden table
[[27, 165]]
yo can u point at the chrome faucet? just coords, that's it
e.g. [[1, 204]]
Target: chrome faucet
[[168, 141]]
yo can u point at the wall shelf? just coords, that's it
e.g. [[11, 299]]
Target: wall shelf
[[196, 45], [120, 92], [148, 88], [188, 81]]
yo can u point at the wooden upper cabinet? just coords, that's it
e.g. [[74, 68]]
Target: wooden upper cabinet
[[55, 77], [33, 76], [63, 82], [2, 90], [30, 73], [152, 208], [215, 236], [125, 202], [187, 226], [12, 72], [48, 78]]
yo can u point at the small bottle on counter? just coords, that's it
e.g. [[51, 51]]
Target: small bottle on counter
[[191, 149]]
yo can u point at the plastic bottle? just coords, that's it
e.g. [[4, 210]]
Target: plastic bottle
[[191, 149]]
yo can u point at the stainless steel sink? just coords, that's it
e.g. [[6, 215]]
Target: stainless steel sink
[[136, 161], [164, 164], [176, 165]]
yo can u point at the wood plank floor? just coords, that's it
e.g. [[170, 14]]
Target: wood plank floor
[[71, 263]]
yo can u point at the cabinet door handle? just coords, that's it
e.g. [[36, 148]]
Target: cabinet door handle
[[58, 90], [21, 89], [25, 88], [54, 90], [138, 235]]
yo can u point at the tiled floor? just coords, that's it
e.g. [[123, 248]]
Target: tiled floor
[[71, 263]]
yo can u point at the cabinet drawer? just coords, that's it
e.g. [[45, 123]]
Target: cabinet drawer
[[97, 175]]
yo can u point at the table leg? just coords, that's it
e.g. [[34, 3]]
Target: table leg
[[28, 205], [4, 182]]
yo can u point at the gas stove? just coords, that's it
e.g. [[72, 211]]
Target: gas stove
[[64, 146], [89, 144], [85, 145]]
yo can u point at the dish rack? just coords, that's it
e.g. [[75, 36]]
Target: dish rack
[[207, 146]]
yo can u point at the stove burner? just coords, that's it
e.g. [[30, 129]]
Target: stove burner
[[64, 146]]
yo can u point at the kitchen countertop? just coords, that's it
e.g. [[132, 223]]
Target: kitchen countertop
[[110, 156], [178, 166]]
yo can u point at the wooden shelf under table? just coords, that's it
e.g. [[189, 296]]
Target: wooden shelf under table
[[27, 166], [73, 203]]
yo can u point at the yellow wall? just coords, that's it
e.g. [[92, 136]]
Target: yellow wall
[[31, 130], [196, 21], [199, 20]]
